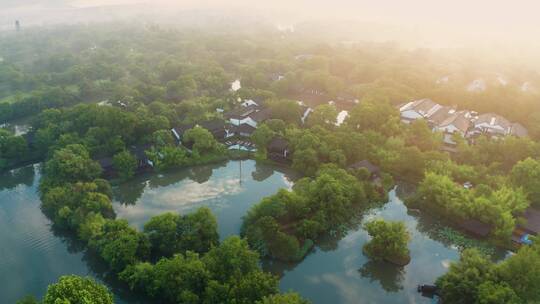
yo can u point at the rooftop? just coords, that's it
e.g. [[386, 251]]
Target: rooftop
[[532, 217], [367, 165], [278, 144], [475, 227]]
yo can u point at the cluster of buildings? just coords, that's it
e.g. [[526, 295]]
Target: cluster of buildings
[[237, 127], [468, 124]]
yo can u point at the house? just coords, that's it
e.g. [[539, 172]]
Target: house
[[143, 162], [261, 116], [518, 130], [217, 127], [30, 138], [305, 110], [454, 122], [248, 103], [241, 115], [243, 130], [178, 131], [107, 165], [475, 227], [278, 150], [418, 109], [491, 124], [532, 221], [495, 125], [374, 171]]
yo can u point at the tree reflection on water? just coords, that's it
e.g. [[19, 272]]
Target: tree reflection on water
[[390, 276]]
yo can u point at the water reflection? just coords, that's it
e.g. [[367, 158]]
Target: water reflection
[[228, 188], [262, 172], [13, 178], [389, 276], [338, 272]]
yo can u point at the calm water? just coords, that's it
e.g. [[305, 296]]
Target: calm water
[[32, 256], [228, 189], [340, 273]]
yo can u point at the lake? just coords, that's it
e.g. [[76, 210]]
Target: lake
[[33, 255]]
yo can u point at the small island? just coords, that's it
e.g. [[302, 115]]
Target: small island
[[389, 242]]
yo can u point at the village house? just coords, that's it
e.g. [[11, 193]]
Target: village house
[[475, 227], [495, 125], [242, 115], [529, 226], [249, 103], [217, 127], [107, 166], [243, 130], [305, 110], [143, 162], [373, 171], [418, 109], [468, 124], [278, 150]]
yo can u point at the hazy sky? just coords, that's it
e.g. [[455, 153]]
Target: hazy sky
[[503, 21]]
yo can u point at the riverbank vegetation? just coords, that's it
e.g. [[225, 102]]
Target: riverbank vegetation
[[286, 225], [476, 279], [389, 242], [73, 289], [184, 247]]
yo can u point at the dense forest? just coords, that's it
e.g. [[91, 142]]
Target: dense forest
[[108, 90]]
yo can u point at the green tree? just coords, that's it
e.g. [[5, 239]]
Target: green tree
[[462, 281], [522, 272], [324, 115], [184, 87], [419, 134], [28, 300], [286, 110], [125, 164], [120, 245], [287, 298], [306, 161], [203, 141], [496, 293], [371, 116], [389, 241], [171, 233], [77, 290], [526, 174], [69, 164], [261, 137]]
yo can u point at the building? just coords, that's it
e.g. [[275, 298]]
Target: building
[[495, 125], [449, 121], [217, 127], [518, 130], [143, 162], [243, 130], [242, 115], [418, 109], [454, 122], [532, 221], [305, 110], [261, 116], [278, 150], [475, 227], [249, 102], [107, 166], [374, 171], [178, 132]]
